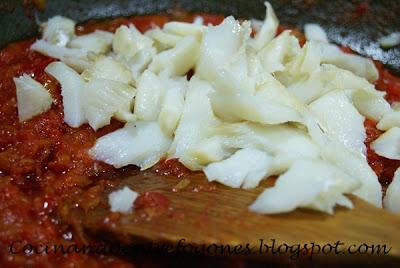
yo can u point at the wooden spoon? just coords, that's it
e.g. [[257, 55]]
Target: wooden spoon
[[204, 213]]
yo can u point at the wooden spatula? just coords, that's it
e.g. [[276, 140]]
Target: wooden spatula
[[206, 213]]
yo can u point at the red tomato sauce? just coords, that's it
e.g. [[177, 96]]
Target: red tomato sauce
[[45, 166], [383, 167], [44, 163]]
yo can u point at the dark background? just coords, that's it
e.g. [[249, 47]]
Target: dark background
[[356, 24]]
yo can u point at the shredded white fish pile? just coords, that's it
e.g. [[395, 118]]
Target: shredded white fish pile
[[255, 106]]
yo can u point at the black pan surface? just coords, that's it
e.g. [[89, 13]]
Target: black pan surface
[[356, 24]]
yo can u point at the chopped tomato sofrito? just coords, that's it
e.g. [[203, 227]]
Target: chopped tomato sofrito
[[44, 163], [383, 167], [389, 83], [45, 166]]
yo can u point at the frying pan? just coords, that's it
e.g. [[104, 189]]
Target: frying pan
[[356, 24]]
